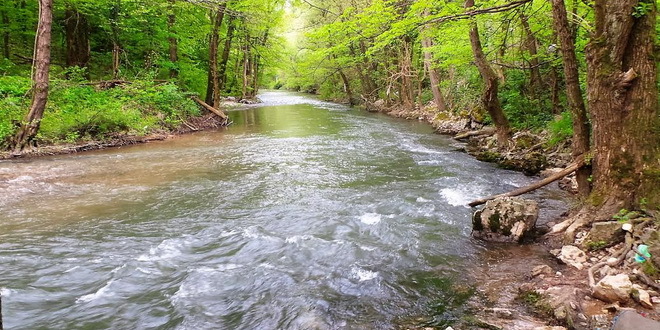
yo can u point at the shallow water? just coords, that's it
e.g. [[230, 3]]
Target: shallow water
[[302, 214]]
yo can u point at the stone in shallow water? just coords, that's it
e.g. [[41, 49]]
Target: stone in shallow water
[[505, 219]]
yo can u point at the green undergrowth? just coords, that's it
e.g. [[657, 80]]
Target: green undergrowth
[[77, 111]]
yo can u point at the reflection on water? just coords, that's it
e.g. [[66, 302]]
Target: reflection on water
[[303, 214]]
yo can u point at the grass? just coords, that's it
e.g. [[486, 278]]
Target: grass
[[76, 111]]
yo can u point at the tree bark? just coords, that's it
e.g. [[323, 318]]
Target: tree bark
[[573, 92], [77, 38], [222, 71], [405, 64], [213, 86], [623, 103], [30, 125], [433, 76], [535, 80], [116, 46], [172, 39], [246, 67], [489, 97], [347, 87]]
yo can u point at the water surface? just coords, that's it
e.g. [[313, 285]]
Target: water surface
[[302, 214]]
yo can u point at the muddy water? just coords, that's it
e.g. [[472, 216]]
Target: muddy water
[[302, 214]]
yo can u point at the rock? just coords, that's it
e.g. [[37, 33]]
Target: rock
[[642, 297], [613, 288], [573, 256], [502, 313], [560, 313], [603, 234], [526, 287], [606, 270], [530, 163], [600, 321], [630, 320], [506, 219], [542, 269], [550, 327]]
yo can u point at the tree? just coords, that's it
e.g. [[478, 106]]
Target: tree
[[623, 103], [30, 125], [573, 93], [489, 97], [172, 39], [77, 38]]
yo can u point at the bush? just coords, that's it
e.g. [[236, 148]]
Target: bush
[[560, 129], [78, 112]]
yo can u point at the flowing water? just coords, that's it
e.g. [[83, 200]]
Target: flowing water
[[301, 215]]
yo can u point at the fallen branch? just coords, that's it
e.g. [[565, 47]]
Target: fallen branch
[[483, 131], [579, 162], [210, 108]]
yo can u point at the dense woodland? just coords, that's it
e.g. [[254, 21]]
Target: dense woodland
[[584, 70]]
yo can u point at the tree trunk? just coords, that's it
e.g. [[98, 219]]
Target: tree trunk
[[433, 76], [116, 47], [535, 80], [406, 94], [30, 125], [77, 38], [623, 103], [212, 89], [172, 39], [489, 96], [5, 35], [225, 53], [573, 92], [347, 87], [246, 67]]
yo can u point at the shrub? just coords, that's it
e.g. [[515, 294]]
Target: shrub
[[560, 129]]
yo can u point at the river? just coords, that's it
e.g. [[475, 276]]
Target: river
[[303, 214]]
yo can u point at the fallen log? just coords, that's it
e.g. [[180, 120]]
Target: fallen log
[[484, 131], [579, 162], [210, 108]]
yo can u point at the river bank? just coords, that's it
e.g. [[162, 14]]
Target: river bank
[[546, 283]]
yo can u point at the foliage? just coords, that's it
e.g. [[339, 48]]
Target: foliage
[[81, 112], [560, 129]]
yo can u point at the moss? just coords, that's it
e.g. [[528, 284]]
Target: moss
[[474, 322], [506, 231], [649, 269], [476, 221], [536, 302], [494, 221], [441, 116], [596, 198], [489, 156], [592, 246]]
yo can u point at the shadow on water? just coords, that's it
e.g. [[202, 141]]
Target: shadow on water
[[303, 214]]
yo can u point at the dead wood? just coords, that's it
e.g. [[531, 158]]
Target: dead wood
[[484, 131], [579, 162], [210, 108]]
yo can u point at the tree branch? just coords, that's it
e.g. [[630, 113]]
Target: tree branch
[[476, 12]]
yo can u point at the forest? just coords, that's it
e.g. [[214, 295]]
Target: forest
[[586, 71], [318, 213]]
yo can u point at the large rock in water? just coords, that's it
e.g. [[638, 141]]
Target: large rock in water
[[505, 219]]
